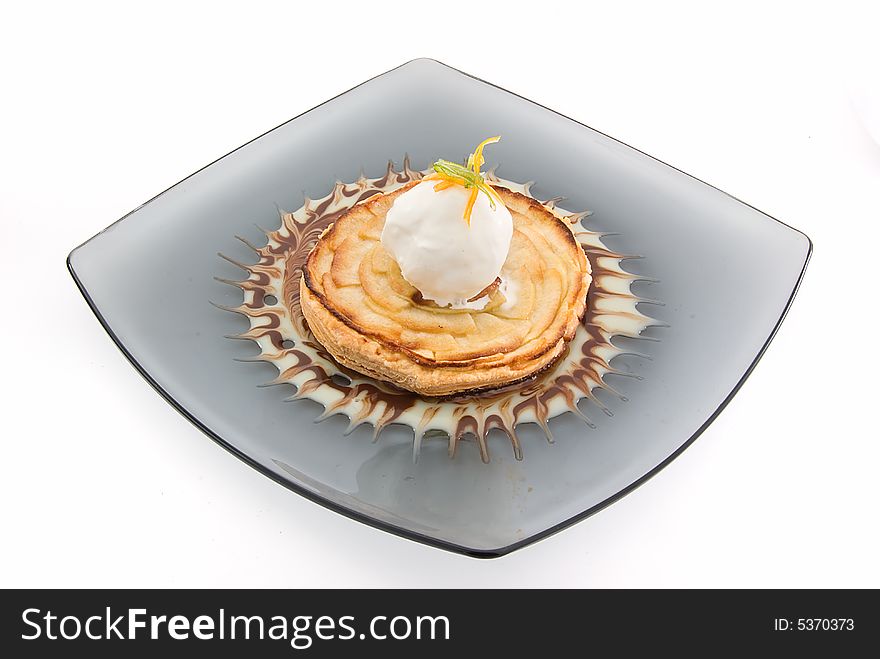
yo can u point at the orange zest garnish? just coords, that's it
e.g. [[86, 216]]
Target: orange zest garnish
[[442, 185], [470, 206], [476, 159], [450, 173]]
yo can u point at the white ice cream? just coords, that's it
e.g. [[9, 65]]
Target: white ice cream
[[448, 261]]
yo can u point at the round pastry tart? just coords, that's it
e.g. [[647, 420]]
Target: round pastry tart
[[448, 285]]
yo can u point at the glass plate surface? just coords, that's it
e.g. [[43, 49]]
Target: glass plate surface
[[725, 272]]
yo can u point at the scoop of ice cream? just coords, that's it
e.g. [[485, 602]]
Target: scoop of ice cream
[[446, 259]]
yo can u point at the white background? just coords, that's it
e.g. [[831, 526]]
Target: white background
[[104, 484]]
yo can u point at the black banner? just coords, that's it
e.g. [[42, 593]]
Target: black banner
[[111, 623]]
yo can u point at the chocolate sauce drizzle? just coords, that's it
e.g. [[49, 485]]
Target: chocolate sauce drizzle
[[579, 373]]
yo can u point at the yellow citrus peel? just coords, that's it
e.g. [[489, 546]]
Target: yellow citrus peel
[[469, 177]]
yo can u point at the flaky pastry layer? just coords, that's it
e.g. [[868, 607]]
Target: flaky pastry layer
[[370, 319]]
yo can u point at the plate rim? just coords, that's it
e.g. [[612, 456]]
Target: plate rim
[[377, 523]]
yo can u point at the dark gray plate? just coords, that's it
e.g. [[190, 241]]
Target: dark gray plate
[[727, 274]]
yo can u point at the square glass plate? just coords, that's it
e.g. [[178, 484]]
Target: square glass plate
[[726, 273]]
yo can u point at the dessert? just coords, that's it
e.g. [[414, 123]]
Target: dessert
[[276, 324], [446, 285]]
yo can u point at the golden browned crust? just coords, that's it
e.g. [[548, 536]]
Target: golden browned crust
[[373, 321]]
